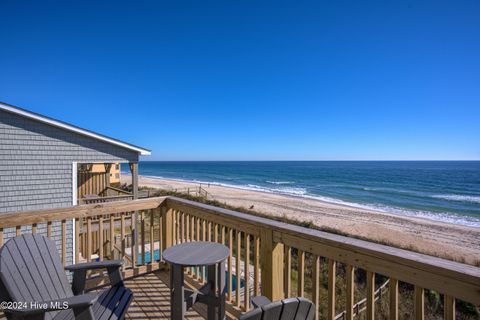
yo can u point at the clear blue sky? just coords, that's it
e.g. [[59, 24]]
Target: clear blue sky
[[251, 80]]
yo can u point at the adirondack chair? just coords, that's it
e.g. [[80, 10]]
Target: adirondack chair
[[287, 309], [32, 276]]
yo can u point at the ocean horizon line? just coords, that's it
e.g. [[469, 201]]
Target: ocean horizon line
[[296, 188]]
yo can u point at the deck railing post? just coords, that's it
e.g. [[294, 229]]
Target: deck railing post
[[271, 262], [167, 227]]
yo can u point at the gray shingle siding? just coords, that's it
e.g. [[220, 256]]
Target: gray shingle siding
[[36, 165]]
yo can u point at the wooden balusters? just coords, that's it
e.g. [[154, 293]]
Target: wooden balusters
[[142, 237], [223, 235], [256, 266], [370, 295], [134, 246], [449, 307], [64, 242], [301, 273], [230, 257], [393, 291], [246, 288], [331, 289], [316, 284], [177, 226], [350, 275], [89, 239], [287, 273], [160, 234], [187, 228], [192, 238], [112, 236], [77, 240], [151, 236], [238, 267], [419, 303], [209, 231], [197, 269], [204, 230], [100, 237], [204, 235], [49, 229], [192, 228], [182, 227], [215, 232], [122, 236]]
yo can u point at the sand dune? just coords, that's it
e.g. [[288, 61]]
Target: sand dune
[[435, 238]]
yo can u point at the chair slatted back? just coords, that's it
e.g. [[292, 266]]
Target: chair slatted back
[[287, 309], [31, 270]]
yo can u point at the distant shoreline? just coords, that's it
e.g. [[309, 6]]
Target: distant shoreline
[[428, 216], [456, 242]]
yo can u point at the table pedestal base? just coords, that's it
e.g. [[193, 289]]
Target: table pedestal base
[[212, 293]]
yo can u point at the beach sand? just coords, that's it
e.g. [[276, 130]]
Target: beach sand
[[441, 239]]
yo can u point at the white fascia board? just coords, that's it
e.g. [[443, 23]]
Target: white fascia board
[[34, 116]]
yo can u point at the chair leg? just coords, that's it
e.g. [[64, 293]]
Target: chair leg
[[78, 281], [115, 276]]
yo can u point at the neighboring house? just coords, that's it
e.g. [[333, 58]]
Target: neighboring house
[[113, 173], [40, 159]]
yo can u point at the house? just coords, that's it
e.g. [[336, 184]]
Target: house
[[42, 159], [113, 173]]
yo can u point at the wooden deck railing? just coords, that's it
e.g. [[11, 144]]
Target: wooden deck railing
[[267, 257]]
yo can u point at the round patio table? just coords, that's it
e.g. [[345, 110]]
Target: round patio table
[[197, 254]]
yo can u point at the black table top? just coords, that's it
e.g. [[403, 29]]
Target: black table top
[[197, 253]]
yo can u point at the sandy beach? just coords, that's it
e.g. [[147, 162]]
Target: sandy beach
[[431, 237]]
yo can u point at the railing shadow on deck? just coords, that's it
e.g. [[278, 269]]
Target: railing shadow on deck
[[266, 257]]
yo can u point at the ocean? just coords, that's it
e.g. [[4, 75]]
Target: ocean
[[438, 190]]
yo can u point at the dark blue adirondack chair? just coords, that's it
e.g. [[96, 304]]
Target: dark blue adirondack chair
[[32, 274], [287, 309]]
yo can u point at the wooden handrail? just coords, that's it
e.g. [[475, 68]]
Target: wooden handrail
[[13, 219]]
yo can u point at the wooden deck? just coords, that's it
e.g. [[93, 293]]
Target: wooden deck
[[152, 298]]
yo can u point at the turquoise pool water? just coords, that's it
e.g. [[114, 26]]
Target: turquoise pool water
[[156, 257]]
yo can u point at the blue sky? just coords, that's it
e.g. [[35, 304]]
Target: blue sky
[[253, 80]]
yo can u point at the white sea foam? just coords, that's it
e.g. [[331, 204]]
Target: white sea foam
[[302, 192], [458, 197], [280, 182]]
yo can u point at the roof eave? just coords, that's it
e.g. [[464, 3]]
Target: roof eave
[[69, 127]]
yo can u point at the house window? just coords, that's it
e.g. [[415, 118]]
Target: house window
[[117, 175], [117, 166]]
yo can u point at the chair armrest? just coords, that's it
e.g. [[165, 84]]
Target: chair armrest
[[260, 301], [80, 273], [79, 304], [95, 265]]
